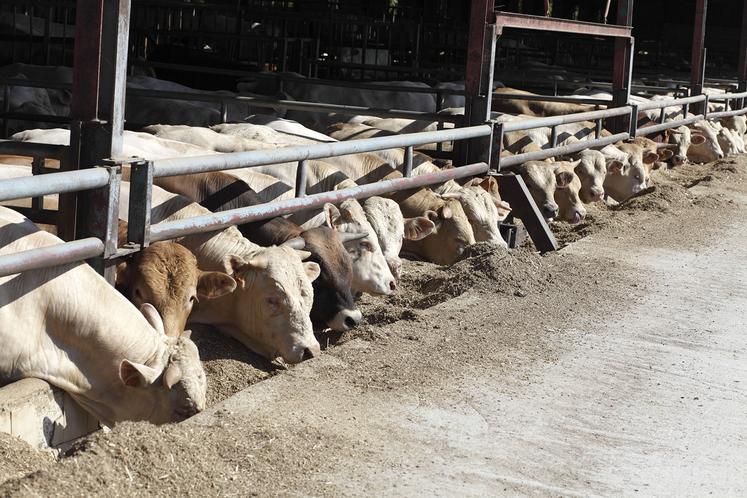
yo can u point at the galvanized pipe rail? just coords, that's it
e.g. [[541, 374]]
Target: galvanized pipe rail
[[219, 162]]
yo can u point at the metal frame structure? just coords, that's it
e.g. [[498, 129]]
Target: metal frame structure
[[89, 183]]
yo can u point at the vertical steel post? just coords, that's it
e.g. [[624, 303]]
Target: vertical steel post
[[697, 68], [97, 112], [408, 162], [622, 71], [301, 175], [479, 78], [138, 218], [742, 63]]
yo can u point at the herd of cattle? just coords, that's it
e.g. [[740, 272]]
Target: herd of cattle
[[124, 354]]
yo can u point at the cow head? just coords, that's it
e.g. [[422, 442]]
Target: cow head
[[334, 306], [541, 181], [452, 234], [708, 149], [392, 229], [269, 310], [166, 275], [568, 186], [591, 170], [172, 388], [729, 142], [481, 211], [681, 139], [628, 174], [371, 273]]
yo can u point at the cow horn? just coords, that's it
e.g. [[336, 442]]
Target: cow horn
[[666, 146], [295, 243], [351, 236]]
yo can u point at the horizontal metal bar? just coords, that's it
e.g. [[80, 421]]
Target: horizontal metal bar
[[658, 104], [728, 96], [219, 162], [46, 257], [53, 183], [30, 149], [528, 124], [649, 130], [551, 98], [524, 21], [217, 221], [563, 150], [727, 114]]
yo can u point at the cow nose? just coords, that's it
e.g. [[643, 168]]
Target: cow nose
[[678, 160], [550, 211], [307, 354], [392, 285], [720, 155]]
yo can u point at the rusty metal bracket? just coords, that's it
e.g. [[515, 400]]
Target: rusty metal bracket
[[515, 192]]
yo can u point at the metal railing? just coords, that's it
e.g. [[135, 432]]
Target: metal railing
[[141, 232]]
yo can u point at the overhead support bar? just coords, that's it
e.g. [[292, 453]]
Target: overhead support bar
[[525, 21]]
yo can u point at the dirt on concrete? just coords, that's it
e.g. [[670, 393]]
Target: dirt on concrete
[[496, 314]]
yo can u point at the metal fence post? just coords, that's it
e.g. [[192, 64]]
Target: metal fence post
[[407, 167], [141, 188], [301, 175], [103, 222], [633, 130]]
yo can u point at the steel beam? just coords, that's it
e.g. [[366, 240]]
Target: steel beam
[[49, 256], [525, 21], [515, 192], [479, 78], [97, 112], [742, 63], [697, 67], [622, 68]]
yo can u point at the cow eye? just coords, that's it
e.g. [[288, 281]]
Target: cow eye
[[366, 246], [193, 299]]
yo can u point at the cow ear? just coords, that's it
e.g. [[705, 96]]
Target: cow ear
[[136, 374], [650, 157], [489, 184], [304, 255], [418, 228], [312, 270], [563, 179], [123, 274], [214, 284], [474, 182], [615, 166], [431, 215], [331, 215], [172, 376], [665, 154], [697, 139], [151, 315]]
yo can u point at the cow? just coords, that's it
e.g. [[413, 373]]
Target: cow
[[274, 182], [166, 275], [114, 360], [542, 180], [570, 207], [535, 108], [333, 304], [392, 229], [591, 170], [628, 168], [269, 310]]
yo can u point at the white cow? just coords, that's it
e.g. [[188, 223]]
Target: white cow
[[91, 342]]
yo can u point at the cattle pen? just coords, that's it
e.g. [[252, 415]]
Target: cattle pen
[[105, 42]]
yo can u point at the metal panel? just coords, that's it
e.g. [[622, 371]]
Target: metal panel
[[515, 192]]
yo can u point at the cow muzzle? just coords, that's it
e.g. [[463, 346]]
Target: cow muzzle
[[345, 320]]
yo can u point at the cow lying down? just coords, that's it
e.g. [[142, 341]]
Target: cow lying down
[[114, 360]]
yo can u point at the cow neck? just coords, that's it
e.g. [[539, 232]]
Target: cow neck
[[418, 202], [213, 249]]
